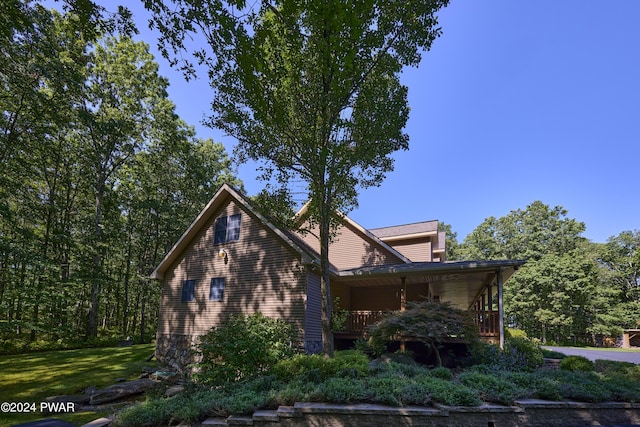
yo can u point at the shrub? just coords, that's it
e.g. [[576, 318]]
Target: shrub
[[519, 354], [581, 386], [343, 390], [414, 394], [442, 373], [450, 393], [492, 388], [523, 353], [385, 389], [550, 354], [428, 322], [613, 368], [577, 363], [243, 346], [316, 368]]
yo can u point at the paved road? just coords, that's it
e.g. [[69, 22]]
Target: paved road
[[620, 356]]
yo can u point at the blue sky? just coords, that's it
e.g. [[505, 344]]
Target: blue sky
[[517, 101]]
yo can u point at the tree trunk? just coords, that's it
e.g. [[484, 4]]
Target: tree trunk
[[92, 325], [325, 284], [142, 312]]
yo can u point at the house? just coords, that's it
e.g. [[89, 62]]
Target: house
[[233, 260]]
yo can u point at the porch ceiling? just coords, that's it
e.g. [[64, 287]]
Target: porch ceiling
[[458, 282]]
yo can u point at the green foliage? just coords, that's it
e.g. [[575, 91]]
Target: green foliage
[[100, 177], [577, 363], [428, 322], [492, 388], [392, 383], [442, 373], [338, 316], [551, 354], [612, 368], [316, 368], [569, 290], [450, 393], [243, 346], [343, 390], [519, 354], [311, 91]]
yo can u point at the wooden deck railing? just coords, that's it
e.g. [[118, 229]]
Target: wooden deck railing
[[488, 321], [356, 323]]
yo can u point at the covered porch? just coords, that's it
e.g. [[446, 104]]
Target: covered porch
[[365, 295]]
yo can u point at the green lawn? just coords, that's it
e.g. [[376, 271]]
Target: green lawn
[[32, 377]]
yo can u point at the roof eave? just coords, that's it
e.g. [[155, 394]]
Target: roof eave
[[431, 268]]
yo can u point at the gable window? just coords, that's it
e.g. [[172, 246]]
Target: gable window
[[188, 290], [216, 291], [227, 229]]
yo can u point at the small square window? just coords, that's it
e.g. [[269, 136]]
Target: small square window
[[216, 292], [188, 290]]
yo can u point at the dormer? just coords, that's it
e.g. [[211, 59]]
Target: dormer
[[419, 241]]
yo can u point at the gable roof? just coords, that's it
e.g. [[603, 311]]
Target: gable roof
[[205, 215], [416, 229], [368, 235]]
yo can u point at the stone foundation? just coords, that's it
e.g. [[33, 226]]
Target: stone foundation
[[176, 350]]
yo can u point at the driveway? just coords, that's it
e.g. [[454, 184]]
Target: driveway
[[620, 356]]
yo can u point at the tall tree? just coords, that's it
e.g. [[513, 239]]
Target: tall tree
[[546, 294], [311, 89], [620, 262], [123, 89], [87, 138]]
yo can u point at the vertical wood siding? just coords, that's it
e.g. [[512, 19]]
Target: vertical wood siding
[[262, 273]]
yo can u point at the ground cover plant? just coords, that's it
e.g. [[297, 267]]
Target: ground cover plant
[[239, 376], [34, 376], [350, 377]]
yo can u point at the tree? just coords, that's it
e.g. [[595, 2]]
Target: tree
[[554, 290], [428, 322], [311, 89], [619, 260], [524, 234], [87, 138], [451, 240]]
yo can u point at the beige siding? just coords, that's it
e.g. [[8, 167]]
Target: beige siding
[[352, 248], [261, 274], [417, 250]]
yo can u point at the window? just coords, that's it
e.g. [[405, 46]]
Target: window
[[216, 292], [188, 290], [227, 229]]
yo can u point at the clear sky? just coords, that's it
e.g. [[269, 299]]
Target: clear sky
[[517, 101]]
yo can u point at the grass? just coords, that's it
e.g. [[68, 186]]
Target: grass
[[32, 377]]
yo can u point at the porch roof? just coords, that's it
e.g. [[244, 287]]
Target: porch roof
[[508, 267], [459, 282]]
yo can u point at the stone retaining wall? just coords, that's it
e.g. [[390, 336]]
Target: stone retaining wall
[[530, 412]]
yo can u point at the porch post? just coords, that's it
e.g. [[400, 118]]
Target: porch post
[[501, 307], [403, 305], [403, 294]]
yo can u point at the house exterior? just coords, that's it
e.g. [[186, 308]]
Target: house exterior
[[233, 260]]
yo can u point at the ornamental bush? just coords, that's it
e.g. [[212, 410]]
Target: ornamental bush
[[243, 346], [577, 363]]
